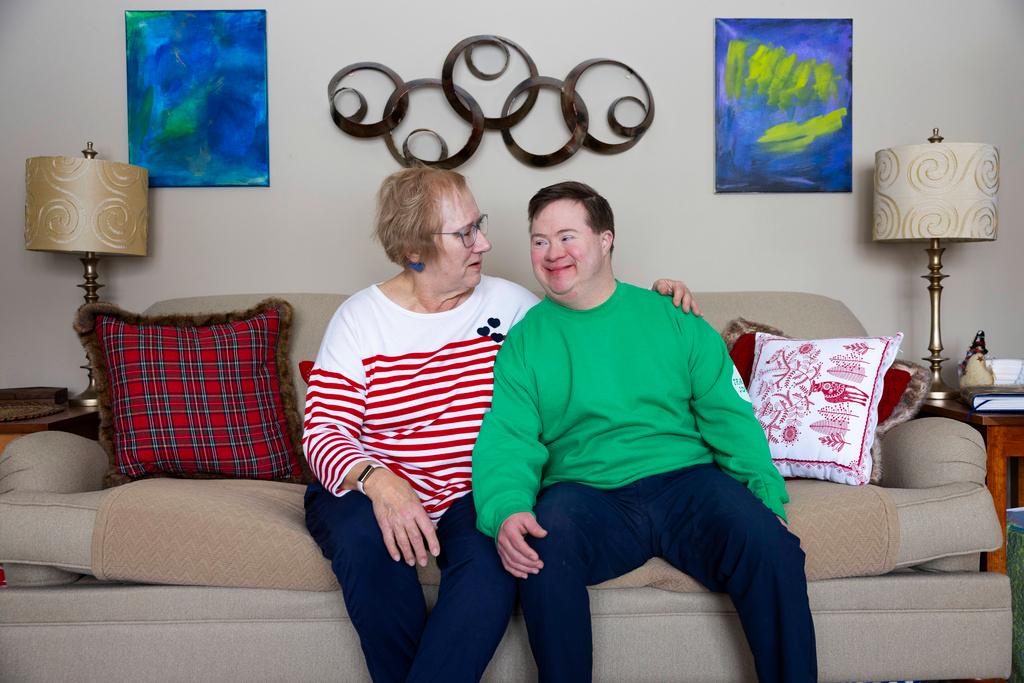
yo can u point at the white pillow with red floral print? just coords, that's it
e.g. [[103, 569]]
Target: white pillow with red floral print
[[817, 401]]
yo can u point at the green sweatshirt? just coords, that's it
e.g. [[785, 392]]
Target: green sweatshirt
[[610, 395]]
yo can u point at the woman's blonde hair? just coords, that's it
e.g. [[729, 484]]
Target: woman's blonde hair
[[409, 211]]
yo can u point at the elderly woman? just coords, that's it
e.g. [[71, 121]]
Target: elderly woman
[[395, 401]]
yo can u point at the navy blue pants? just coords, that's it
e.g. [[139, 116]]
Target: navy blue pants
[[701, 521], [385, 601]]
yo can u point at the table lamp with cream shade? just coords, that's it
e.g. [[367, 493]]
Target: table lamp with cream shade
[[86, 206], [936, 192]]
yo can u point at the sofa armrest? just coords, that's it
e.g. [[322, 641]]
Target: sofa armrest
[[56, 462], [47, 463], [932, 451]]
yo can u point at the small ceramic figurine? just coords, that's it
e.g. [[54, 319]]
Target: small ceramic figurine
[[976, 373], [978, 346]]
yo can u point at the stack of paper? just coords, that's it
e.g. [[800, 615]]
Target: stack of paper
[[1007, 370], [987, 399]]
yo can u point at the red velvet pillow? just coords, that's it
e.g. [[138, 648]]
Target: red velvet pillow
[[896, 380], [305, 368], [195, 396]]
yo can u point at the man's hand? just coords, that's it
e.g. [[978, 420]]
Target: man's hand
[[517, 557], [682, 297], [403, 522]]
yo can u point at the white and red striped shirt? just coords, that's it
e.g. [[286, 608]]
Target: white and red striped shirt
[[408, 390]]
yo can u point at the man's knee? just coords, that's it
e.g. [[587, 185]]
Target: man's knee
[[767, 543], [562, 510]]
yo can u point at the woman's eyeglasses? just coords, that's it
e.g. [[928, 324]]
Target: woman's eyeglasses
[[468, 234]]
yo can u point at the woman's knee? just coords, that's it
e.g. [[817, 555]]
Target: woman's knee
[[346, 530], [476, 568]]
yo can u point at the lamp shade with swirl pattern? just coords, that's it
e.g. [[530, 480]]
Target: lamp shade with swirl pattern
[[85, 205], [941, 191], [933, 193]]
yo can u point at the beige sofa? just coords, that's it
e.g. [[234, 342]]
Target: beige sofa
[[927, 613]]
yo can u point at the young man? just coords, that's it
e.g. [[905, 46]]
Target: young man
[[620, 430]]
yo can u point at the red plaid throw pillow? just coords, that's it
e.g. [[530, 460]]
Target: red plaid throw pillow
[[207, 396]]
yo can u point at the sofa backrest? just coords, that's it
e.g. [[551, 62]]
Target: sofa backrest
[[795, 313], [798, 314]]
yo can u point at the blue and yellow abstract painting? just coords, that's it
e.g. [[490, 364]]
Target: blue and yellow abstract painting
[[197, 97], [783, 105]]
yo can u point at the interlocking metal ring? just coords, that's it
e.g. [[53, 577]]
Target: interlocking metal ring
[[577, 127], [351, 124], [440, 141], [454, 161], [571, 98], [574, 111], [448, 68], [493, 41]]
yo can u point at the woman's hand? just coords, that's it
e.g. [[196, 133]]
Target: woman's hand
[[682, 297], [407, 530]]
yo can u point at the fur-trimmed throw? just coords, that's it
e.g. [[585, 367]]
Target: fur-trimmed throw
[[202, 396]]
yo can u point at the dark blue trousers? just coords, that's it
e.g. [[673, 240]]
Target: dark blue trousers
[[701, 521], [385, 601]]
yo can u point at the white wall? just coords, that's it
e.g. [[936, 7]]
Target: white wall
[[944, 63]]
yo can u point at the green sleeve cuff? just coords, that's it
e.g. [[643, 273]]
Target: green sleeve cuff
[[493, 513], [773, 499], [776, 507]]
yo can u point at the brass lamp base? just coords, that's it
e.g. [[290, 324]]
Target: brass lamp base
[[940, 390], [89, 397], [86, 399]]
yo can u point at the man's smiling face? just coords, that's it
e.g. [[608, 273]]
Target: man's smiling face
[[570, 261]]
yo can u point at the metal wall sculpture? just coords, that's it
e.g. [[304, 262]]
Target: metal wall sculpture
[[574, 111]]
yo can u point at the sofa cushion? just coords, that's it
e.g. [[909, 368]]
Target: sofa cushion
[[206, 395], [844, 530], [208, 533], [236, 533]]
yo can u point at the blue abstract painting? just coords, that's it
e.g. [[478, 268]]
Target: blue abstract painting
[[197, 97], [783, 105]]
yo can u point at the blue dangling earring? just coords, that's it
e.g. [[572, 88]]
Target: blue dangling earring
[[417, 266]]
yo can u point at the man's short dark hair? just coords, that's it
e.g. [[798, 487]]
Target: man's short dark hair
[[599, 211]]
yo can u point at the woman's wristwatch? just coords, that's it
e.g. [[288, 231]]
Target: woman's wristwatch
[[364, 475]]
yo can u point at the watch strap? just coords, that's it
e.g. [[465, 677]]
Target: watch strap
[[363, 476]]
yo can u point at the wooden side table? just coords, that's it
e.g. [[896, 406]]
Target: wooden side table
[[1004, 439]]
